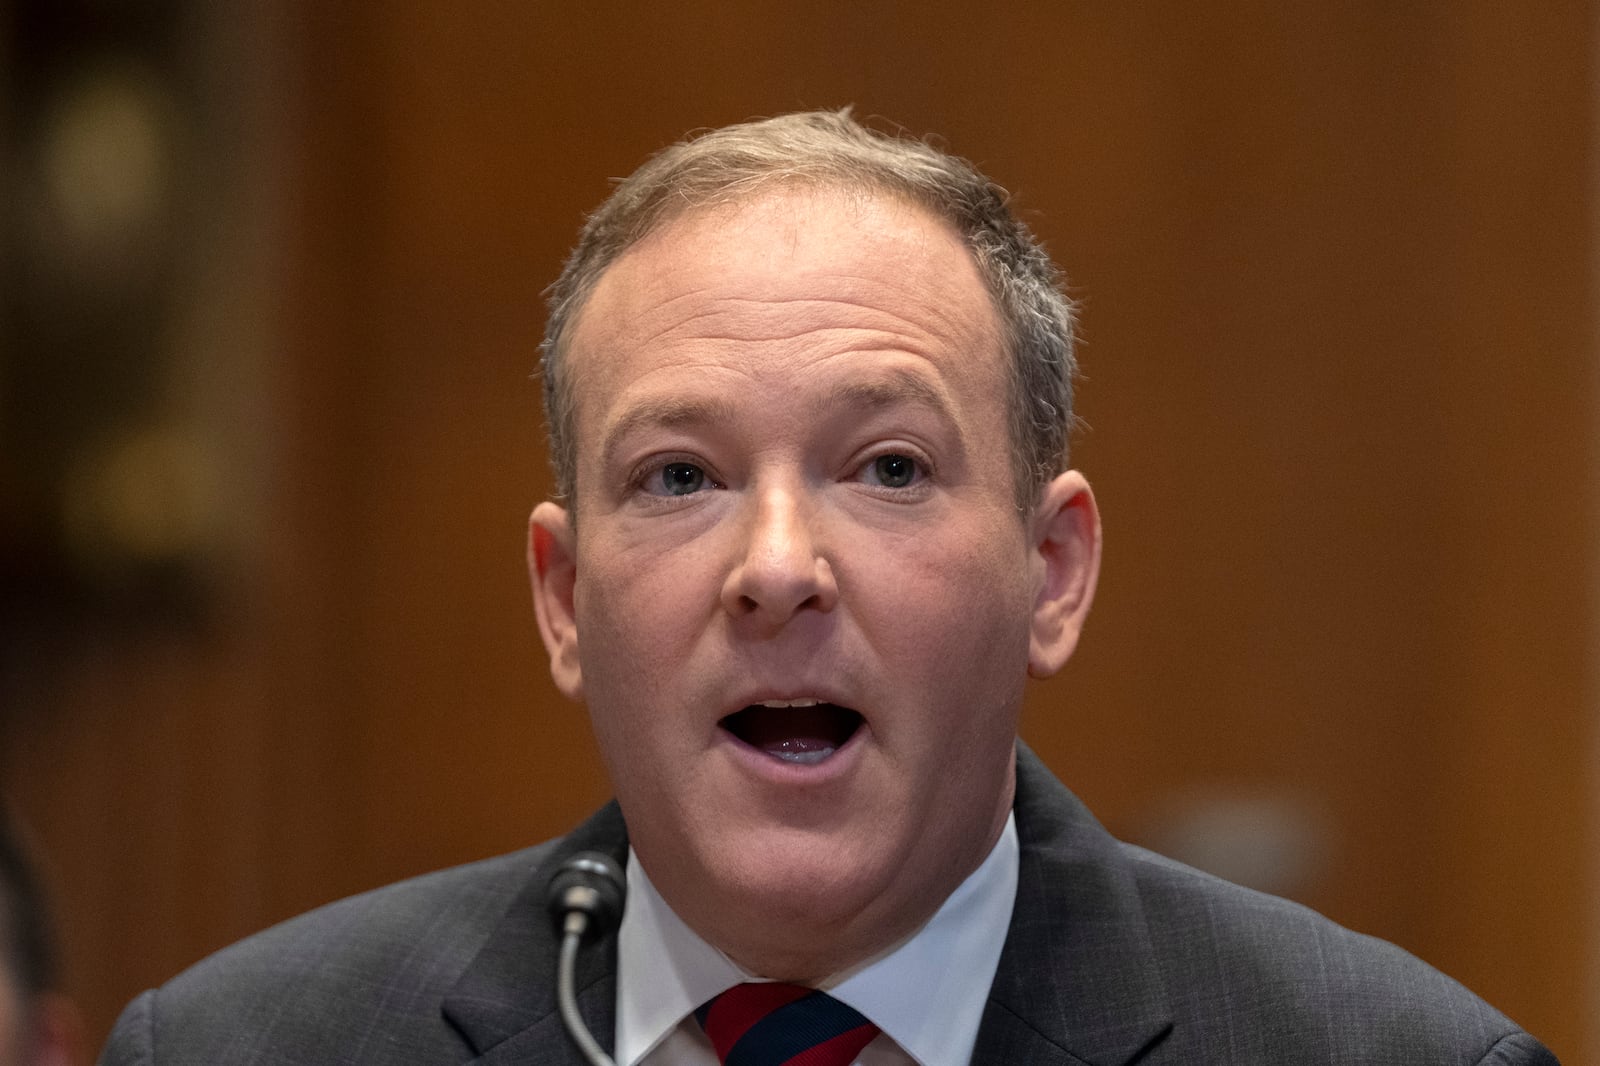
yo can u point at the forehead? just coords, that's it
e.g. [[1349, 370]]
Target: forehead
[[803, 265]]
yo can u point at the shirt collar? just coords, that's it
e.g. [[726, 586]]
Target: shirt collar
[[927, 993]]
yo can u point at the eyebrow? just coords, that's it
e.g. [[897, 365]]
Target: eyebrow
[[892, 388], [895, 387], [665, 412]]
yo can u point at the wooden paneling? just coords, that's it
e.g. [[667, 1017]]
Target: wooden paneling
[[1336, 270]]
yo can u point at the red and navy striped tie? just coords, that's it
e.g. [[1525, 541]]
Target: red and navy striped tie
[[783, 1025]]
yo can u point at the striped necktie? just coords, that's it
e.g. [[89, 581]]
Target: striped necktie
[[783, 1025]]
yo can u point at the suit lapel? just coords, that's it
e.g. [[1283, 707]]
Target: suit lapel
[[505, 1002], [1077, 981]]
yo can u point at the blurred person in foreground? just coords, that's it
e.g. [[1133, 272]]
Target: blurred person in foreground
[[809, 394], [37, 1027]]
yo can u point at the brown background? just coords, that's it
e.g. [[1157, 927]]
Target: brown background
[[1337, 269]]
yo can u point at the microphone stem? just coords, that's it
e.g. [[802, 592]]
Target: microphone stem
[[572, 935]]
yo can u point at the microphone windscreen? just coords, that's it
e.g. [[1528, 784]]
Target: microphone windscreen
[[592, 883]]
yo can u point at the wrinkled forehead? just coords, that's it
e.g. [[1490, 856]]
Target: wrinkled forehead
[[767, 262]]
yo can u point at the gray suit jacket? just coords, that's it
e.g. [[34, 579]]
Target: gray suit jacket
[[1115, 956]]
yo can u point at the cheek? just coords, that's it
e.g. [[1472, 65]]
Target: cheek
[[958, 612], [974, 580], [637, 628], [627, 599]]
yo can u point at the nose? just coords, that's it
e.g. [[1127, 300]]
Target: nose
[[779, 571]]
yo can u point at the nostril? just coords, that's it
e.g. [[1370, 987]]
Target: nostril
[[749, 605], [758, 587]]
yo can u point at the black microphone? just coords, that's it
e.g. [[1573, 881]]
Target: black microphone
[[586, 897]]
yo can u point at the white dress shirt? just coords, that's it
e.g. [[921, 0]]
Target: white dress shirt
[[926, 994]]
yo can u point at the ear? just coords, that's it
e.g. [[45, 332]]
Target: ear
[[553, 571], [1066, 546]]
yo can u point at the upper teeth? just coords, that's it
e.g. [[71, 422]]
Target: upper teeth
[[790, 703]]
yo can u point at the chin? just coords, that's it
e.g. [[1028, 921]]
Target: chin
[[795, 913]]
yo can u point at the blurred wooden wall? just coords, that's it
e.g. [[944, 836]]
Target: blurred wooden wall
[[1337, 265]]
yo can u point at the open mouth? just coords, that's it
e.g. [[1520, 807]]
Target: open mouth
[[798, 731]]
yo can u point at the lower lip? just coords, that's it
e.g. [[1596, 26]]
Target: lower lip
[[784, 772]]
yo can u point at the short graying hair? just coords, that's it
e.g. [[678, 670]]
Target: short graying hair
[[831, 149]]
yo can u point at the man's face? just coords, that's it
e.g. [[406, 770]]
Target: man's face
[[801, 605]]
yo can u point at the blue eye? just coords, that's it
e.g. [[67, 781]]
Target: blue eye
[[894, 471], [682, 479]]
